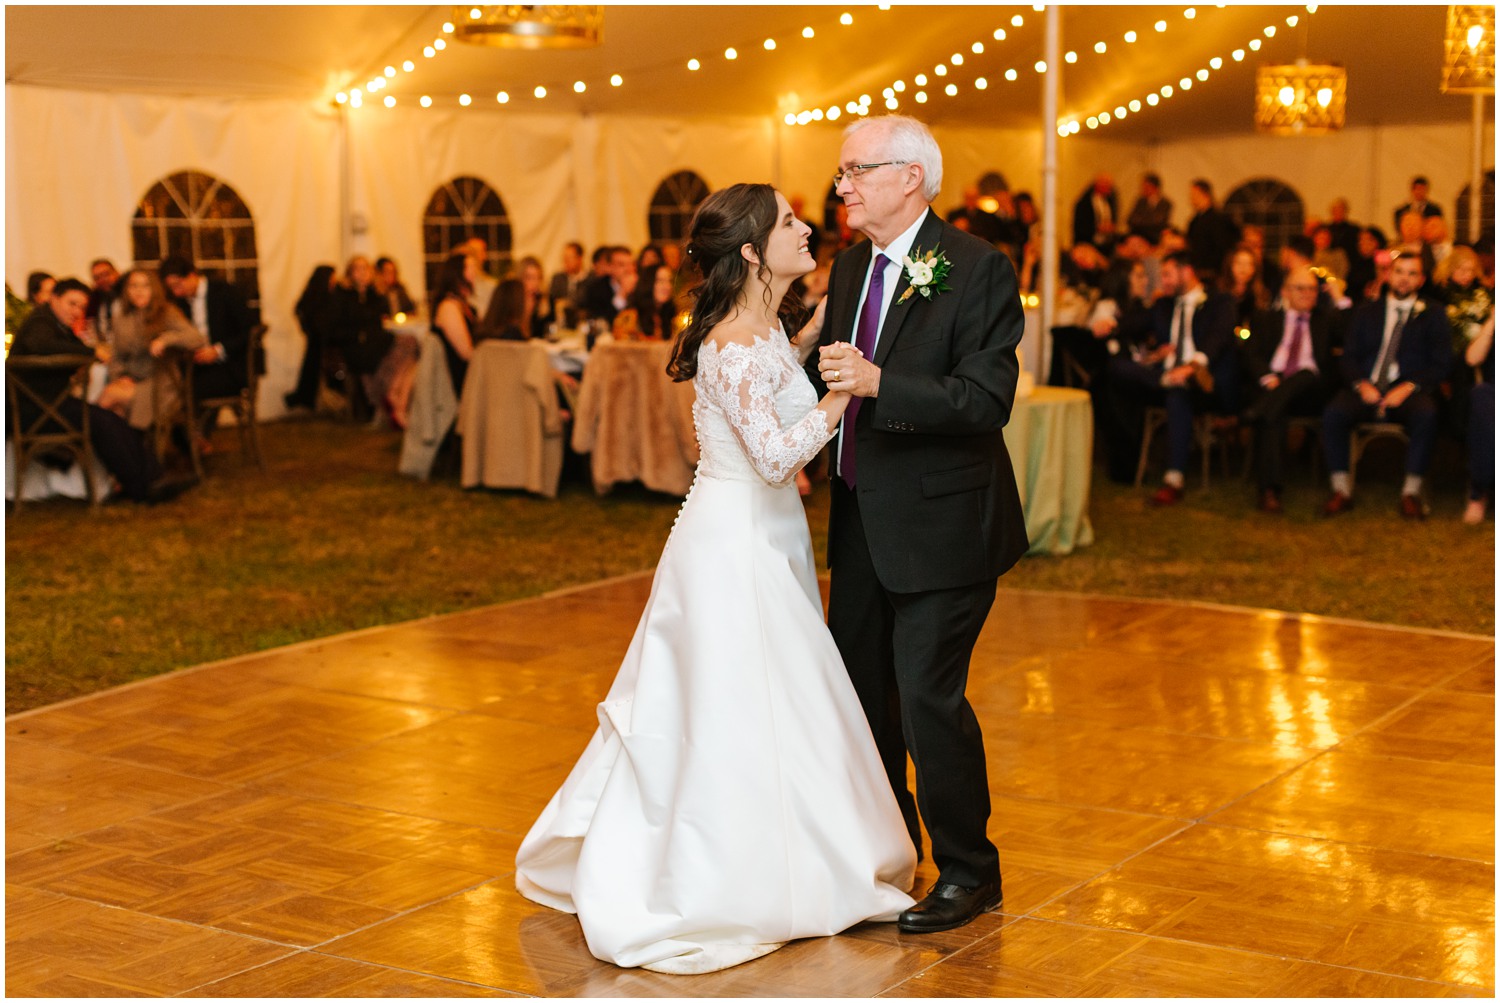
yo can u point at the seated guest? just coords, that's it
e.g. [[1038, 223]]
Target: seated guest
[[359, 313], [388, 284], [39, 288], [606, 295], [49, 330], [1152, 211], [146, 325], [566, 284], [1396, 353], [1211, 234], [1344, 234], [1481, 355], [1096, 214], [315, 313], [649, 257], [539, 308], [654, 304], [218, 310], [1435, 241], [1409, 234], [1120, 320], [1371, 239], [980, 222], [1420, 204], [453, 318], [1189, 364], [102, 297], [671, 256], [506, 319], [1289, 359], [483, 284], [1469, 304], [1240, 278], [1327, 256]]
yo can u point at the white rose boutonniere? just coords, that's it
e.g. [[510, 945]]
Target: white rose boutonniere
[[927, 273]]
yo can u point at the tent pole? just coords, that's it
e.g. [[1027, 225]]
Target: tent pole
[[1476, 173], [345, 252], [1051, 85]]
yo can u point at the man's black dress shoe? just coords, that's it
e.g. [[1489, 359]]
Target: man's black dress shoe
[[948, 907]]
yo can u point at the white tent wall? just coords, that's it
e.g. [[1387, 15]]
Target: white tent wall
[[78, 164]]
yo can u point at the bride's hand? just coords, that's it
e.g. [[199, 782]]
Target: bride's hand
[[807, 338]]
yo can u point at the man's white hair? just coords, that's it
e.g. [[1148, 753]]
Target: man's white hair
[[909, 142]]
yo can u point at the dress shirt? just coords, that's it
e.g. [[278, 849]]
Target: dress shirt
[[1279, 362], [1393, 309], [199, 305], [1190, 302], [895, 252], [1103, 214]]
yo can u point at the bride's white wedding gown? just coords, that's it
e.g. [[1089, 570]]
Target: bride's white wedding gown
[[732, 798]]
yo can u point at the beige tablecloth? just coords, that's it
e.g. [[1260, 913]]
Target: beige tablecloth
[[1051, 441], [636, 423]]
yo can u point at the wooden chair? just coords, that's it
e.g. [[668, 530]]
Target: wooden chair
[[1366, 432], [50, 431], [174, 373], [1205, 437], [243, 404]]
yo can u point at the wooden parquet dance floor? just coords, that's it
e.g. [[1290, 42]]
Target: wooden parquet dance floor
[[1188, 800]]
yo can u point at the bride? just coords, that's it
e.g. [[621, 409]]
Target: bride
[[732, 798]]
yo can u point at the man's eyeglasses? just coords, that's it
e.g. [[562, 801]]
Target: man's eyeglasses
[[856, 171]]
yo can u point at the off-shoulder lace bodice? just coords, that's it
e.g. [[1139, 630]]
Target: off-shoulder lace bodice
[[756, 413]]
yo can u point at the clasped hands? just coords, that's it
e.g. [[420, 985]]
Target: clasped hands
[[844, 368], [1392, 398]]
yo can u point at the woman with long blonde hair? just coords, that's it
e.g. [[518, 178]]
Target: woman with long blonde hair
[[148, 326]]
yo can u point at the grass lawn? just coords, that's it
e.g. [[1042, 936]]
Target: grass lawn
[[330, 539]]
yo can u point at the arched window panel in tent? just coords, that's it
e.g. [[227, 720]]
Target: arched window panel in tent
[[1460, 232], [673, 205], [460, 209], [196, 216], [1271, 205]]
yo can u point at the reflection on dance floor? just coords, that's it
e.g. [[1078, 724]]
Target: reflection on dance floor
[[1188, 800]]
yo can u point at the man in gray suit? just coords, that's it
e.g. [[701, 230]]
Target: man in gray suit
[[925, 513]]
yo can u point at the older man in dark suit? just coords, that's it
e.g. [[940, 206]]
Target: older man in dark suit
[[1397, 352], [925, 513], [1289, 359]]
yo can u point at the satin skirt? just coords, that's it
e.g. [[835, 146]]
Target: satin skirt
[[732, 798]]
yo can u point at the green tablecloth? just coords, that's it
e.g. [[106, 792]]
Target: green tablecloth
[[1051, 441]]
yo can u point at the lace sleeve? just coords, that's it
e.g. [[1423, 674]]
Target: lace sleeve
[[744, 385]]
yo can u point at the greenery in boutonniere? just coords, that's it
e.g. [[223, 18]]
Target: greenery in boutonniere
[[927, 273]]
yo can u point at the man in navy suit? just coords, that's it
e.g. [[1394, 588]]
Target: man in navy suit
[[1096, 214], [1189, 365], [218, 310], [1397, 352], [925, 515]]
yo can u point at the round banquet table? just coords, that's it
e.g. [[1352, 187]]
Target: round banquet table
[[1051, 441]]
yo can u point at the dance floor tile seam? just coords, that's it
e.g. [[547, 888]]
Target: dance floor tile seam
[[1304, 814]]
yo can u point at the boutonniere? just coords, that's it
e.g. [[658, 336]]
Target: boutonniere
[[1418, 307], [927, 274]]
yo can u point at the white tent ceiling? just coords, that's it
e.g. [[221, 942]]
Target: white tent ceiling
[[1393, 55]]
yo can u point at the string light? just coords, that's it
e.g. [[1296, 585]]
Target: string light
[[1167, 91], [616, 80]]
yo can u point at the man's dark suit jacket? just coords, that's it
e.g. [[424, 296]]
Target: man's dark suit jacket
[[1211, 235], [937, 492], [1429, 209], [1086, 221], [1424, 355], [42, 333], [1324, 329], [598, 296], [1213, 325], [229, 324]]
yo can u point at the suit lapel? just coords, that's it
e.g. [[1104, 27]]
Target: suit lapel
[[926, 239]]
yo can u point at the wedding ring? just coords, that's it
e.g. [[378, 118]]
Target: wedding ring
[[835, 375]]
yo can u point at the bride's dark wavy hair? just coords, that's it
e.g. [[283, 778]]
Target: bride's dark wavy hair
[[725, 222]]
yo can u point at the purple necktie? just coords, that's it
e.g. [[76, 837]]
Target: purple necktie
[[1294, 351], [864, 340]]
